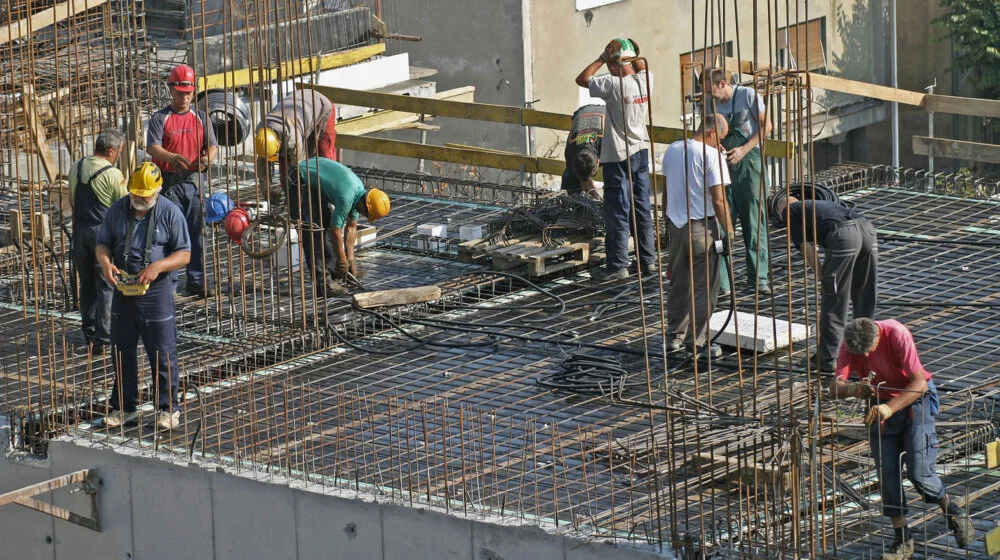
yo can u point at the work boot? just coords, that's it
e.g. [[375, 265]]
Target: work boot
[[713, 350], [899, 550], [764, 288], [603, 274], [647, 269], [117, 418], [676, 344], [962, 528], [168, 420], [331, 288]]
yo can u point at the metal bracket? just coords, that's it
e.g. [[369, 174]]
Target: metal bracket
[[88, 481]]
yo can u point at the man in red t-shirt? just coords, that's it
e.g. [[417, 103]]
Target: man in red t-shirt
[[904, 402], [182, 144]]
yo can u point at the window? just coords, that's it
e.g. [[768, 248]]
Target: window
[[796, 42], [709, 58], [582, 5]]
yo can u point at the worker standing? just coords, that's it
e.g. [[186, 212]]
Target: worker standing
[[95, 184], [744, 109], [849, 271], [323, 182], [300, 126], [695, 168], [904, 402], [145, 237], [182, 144], [583, 150], [624, 167]]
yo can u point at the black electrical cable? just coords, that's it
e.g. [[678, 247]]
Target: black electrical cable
[[558, 300], [939, 241], [590, 375], [277, 222]]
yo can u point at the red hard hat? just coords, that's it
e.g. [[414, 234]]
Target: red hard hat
[[181, 78], [236, 222]]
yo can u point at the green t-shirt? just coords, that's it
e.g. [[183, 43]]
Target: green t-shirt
[[108, 186], [338, 185]]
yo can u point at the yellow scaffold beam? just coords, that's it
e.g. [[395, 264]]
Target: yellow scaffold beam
[[289, 69]]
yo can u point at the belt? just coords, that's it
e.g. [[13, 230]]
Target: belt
[[171, 178]]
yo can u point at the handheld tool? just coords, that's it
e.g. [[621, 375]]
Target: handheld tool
[[129, 285]]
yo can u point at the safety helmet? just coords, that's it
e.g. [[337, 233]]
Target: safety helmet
[[217, 206], [378, 204], [236, 222], [627, 49], [181, 78], [145, 180], [266, 144]]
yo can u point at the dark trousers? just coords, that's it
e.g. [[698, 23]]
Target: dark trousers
[[151, 318], [188, 197], [95, 292], [618, 211], [316, 216], [909, 432], [850, 275], [694, 266]]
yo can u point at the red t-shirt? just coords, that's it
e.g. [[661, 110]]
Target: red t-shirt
[[894, 361], [180, 133]]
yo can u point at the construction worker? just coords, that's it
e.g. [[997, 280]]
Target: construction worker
[[323, 182], [624, 167], [901, 419], [95, 184], [695, 168], [583, 150], [144, 235], [744, 109], [300, 126], [182, 144], [849, 271]]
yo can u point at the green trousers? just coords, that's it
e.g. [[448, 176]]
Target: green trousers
[[745, 205]]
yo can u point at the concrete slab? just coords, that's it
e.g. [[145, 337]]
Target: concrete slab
[[175, 497], [764, 339], [496, 542], [32, 529], [352, 528], [253, 520], [580, 550], [416, 534]]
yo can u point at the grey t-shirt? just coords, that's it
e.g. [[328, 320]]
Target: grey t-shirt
[[635, 119], [743, 110]]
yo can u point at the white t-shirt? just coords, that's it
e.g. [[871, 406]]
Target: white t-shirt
[[635, 119], [705, 166]]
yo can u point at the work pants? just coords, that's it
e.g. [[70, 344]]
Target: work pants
[[618, 223], [151, 318], [694, 266], [326, 147], [95, 292], [909, 432], [850, 275], [187, 195], [745, 206], [316, 216]]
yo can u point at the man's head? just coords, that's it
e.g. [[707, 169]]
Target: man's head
[[181, 82], [861, 336], [144, 186], [717, 84], [584, 165], [108, 144], [713, 129], [373, 205], [617, 50]]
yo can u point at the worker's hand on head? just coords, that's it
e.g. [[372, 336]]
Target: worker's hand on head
[[111, 273], [178, 161], [611, 51], [634, 45], [879, 413], [341, 270], [150, 273], [735, 155]]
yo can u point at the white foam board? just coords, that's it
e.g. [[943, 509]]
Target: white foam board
[[763, 340]]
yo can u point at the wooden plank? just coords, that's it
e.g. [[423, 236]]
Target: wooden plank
[[963, 106], [958, 149], [385, 120], [37, 131], [401, 296], [45, 18], [289, 69], [865, 89]]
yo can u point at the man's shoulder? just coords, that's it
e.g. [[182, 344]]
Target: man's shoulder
[[167, 208], [118, 208], [162, 113]]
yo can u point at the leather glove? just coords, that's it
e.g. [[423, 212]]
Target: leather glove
[[879, 413], [610, 53], [864, 391], [635, 45], [340, 271]]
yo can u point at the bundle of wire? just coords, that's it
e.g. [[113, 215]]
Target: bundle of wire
[[591, 375]]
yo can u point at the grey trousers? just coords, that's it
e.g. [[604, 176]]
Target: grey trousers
[[694, 266], [850, 275]]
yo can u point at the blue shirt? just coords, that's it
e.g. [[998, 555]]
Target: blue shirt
[[339, 185], [743, 111], [170, 236]]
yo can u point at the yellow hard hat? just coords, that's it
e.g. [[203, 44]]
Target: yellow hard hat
[[145, 180], [266, 144], [378, 204]]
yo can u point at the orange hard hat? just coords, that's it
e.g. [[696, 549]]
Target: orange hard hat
[[236, 222], [181, 78]]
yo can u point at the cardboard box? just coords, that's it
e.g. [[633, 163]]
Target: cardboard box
[[470, 232]]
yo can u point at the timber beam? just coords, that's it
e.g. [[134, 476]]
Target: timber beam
[[88, 481]]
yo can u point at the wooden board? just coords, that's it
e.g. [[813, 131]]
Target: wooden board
[[45, 18], [865, 89], [291, 68], [401, 296], [958, 149], [963, 106], [530, 254]]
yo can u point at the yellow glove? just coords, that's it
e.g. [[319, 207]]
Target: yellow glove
[[879, 413]]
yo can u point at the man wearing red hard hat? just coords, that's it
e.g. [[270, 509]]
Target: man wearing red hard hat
[[182, 143]]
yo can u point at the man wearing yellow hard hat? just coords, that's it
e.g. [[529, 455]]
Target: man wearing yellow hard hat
[[143, 238], [300, 126], [322, 182]]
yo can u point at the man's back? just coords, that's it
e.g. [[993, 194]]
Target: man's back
[[689, 173], [633, 121]]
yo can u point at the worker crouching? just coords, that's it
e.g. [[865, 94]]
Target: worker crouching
[[142, 239]]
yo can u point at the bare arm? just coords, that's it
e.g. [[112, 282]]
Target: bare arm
[[721, 207], [812, 257], [175, 261], [338, 244], [913, 391], [583, 80], [350, 237], [639, 64], [109, 269], [764, 124]]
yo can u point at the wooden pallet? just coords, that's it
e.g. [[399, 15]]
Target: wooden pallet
[[527, 253]]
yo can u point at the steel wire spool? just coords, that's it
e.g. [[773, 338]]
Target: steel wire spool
[[230, 117], [802, 192]]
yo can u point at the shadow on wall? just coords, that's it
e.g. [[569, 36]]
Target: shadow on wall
[[861, 42]]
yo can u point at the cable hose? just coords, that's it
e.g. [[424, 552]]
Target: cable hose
[[802, 192], [590, 375], [277, 222]]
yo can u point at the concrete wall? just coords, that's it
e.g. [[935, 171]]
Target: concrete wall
[[157, 510]]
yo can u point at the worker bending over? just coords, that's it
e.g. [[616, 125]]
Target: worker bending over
[[626, 170], [182, 144], [95, 184], [322, 182], [904, 402], [848, 273], [142, 240], [583, 150], [300, 126], [695, 168], [746, 116]]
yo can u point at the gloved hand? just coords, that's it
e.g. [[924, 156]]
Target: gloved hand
[[864, 390], [879, 413], [340, 271], [635, 45], [611, 50], [352, 267]]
